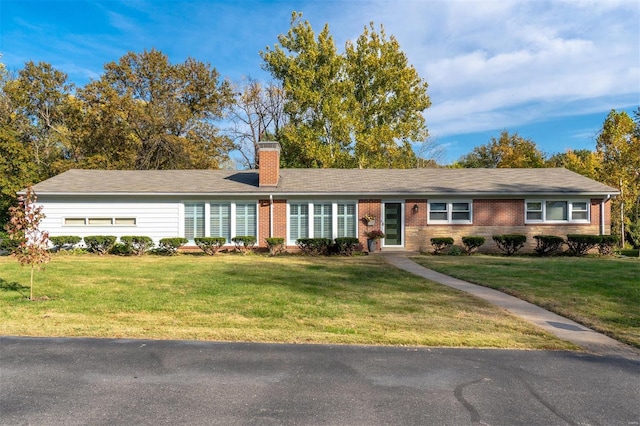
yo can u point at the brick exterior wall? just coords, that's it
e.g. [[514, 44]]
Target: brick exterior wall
[[372, 207]]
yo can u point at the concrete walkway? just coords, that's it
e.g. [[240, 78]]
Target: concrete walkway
[[561, 327]]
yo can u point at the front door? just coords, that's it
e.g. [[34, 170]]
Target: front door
[[393, 224]]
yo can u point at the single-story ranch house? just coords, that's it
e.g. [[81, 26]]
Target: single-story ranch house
[[409, 206]]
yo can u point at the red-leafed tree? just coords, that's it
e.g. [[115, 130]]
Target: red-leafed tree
[[24, 227]]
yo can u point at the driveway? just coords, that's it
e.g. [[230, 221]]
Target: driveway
[[47, 381]]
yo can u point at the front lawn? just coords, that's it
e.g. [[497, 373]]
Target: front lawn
[[602, 293], [359, 300]]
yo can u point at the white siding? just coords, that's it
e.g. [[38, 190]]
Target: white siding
[[155, 217]]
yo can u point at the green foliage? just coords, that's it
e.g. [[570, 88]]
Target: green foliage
[[606, 244], [120, 249], [580, 244], [24, 227], [100, 244], [17, 169], [508, 151], [275, 245], [7, 245], [137, 244], [472, 243], [64, 242], [582, 161], [456, 251], [210, 245], [510, 243], [547, 244], [357, 109], [346, 245], [441, 243], [633, 234], [171, 245], [314, 246], [244, 243]]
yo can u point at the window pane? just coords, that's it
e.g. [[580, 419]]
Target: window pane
[[99, 221], [72, 221], [579, 211], [438, 216], [346, 220], [220, 220], [460, 207], [245, 220], [322, 221], [534, 207], [556, 210], [193, 220], [461, 216], [125, 221], [534, 215], [438, 206]]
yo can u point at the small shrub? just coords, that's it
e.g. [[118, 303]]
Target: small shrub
[[547, 244], [100, 244], [580, 244], [7, 245], [346, 245], [472, 243], [455, 251], [244, 243], [606, 244], [510, 243], [314, 246], [64, 242], [275, 245], [120, 249], [441, 243], [210, 245], [137, 244], [170, 246]]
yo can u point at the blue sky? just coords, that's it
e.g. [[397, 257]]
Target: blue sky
[[549, 70]]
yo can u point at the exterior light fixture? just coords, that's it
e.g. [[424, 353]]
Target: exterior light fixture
[[415, 209]]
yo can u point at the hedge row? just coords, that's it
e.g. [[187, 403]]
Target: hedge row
[[325, 246], [471, 244]]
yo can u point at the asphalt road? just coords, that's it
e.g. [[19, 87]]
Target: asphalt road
[[106, 382]]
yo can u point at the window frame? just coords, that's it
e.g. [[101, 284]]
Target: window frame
[[311, 217], [449, 212], [570, 210], [86, 221], [207, 216]]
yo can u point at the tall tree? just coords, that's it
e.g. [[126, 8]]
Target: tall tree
[[618, 145], [318, 97], [167, 111], [257, 115], [17, 170], [362, 108], [582, 161], [508, 151], [390, 98], [38, 98]]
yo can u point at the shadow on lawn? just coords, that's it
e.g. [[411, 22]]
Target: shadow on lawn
[[13, 286]]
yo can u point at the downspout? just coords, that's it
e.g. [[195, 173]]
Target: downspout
[[270, 215], [602, 203]]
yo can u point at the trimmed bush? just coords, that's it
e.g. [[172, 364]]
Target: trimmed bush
[[580, 244], [472, 243], [244, 243], [314, 246], [346, 245], [547, 244], [137, 244], [455, 251], [441, 243], [100, 244], [275, 245], [606, 244], [171, 245], [210, 245], [510, 243], [64, 242], [120, 249]]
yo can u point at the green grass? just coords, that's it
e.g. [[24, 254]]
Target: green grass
[[359, 300], [600, 292]]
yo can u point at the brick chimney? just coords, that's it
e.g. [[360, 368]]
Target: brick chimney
[[269, 163]]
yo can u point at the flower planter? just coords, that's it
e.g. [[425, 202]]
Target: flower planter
[[371, 245]]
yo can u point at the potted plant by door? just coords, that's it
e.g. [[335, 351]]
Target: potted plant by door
[[372, 239]]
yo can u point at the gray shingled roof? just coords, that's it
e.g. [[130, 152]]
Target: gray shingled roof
[[326, 181]]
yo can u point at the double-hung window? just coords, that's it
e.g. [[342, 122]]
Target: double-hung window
[[193, 220], [540, 211], [298, 221], [450, 212], [322, 221], [347, 222], [220, 220], [245, 219]]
